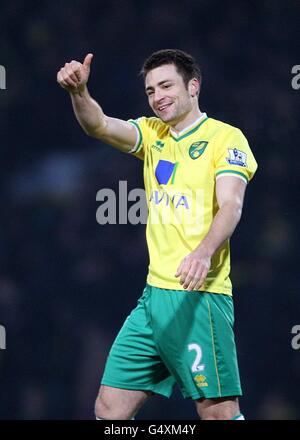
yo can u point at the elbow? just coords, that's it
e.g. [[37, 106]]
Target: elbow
[[94, 132], [98, 131], [89, 132]]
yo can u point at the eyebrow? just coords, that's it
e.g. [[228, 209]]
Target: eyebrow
[[159, 84]]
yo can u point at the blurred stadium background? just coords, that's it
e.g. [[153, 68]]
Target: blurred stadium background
[[67, 283]]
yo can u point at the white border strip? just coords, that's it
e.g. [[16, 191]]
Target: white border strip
[[189, 127], [133, 150]]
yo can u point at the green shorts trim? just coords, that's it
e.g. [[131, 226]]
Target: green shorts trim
[[175, 336]]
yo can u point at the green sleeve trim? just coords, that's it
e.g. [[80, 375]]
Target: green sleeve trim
[[139, 145], [233, 172]]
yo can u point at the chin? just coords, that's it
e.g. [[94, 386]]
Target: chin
[[168, 119]]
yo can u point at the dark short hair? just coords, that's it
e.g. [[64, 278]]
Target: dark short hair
[[185, 64]]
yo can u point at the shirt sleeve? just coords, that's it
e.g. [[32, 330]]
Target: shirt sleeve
[[233, 156], [140, 125]]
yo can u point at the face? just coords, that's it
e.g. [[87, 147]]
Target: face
[[168, 96]]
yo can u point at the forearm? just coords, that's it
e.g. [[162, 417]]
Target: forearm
[[88, 112], [73, 77], [222, 227], [194, 268]]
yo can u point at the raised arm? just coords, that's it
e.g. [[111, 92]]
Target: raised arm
[[73, 77]]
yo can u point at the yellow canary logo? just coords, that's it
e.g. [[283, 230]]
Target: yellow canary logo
[[201, 380]]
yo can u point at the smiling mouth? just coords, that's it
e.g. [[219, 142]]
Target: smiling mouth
[[163, 107]]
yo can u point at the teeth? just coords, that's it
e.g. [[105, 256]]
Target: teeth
[[163, 107]]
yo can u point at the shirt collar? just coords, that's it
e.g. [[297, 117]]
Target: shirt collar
[[189, 127]]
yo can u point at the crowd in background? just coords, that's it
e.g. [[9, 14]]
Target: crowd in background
[[66, 282]]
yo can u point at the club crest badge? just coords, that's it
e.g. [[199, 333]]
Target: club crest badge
[[197, 149]]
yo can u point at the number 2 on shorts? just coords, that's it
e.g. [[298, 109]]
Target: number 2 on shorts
[[196, 365]]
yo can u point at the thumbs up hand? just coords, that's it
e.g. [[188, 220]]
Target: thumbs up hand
[[74, 75]]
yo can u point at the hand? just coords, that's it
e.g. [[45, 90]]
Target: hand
[[74, 75], [193, 269]]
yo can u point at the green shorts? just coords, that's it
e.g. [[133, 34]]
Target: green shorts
[[175, 336]]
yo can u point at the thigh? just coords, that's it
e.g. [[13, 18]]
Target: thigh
[[197, 342], [133, 362]]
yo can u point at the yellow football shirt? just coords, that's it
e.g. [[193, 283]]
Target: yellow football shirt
[[180, 173]]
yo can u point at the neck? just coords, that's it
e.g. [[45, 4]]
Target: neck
[[187, 120]]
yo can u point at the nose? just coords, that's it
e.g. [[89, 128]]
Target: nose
[[158, 96]]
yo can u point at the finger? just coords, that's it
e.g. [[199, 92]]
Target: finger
[[72, 76], [195, 281], [67, 79], [184, 274], [87, 61], [201, 280], [179, 269], [199, 283], [70, 72], [76, 68], [61, 81], [184, 271], [190, 276]]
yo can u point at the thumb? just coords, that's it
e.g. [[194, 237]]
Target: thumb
[[87, 61]]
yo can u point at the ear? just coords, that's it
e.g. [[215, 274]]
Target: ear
[[194, 87]]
